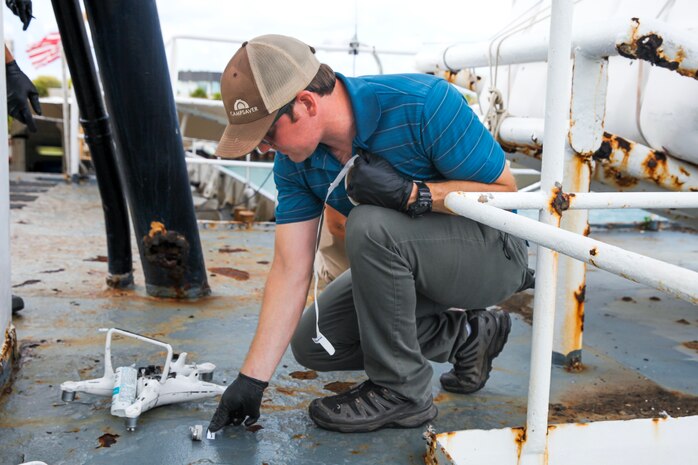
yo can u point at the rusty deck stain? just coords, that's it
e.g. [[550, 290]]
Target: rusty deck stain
[[239, 275], [338, 387], [310, 374], [107, 440], [231, 250], [693, 345]]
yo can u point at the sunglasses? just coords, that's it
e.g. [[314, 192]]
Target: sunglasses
[[284, 110]]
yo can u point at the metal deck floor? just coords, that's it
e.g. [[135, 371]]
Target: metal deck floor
[[635, 347]]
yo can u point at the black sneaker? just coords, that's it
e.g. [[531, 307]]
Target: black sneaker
[[490, 330], [17, 303], [369, 407]]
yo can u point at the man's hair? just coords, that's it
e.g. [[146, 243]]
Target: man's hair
[[322, 84]]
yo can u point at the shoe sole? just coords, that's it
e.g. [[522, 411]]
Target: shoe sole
[[409, 420], [503, 329]]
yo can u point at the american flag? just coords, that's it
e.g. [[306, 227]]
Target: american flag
[[46, 50]]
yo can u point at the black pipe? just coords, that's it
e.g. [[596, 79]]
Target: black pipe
[[95, 123], [132, 63]]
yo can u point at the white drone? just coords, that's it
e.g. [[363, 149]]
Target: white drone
[[136, 391]]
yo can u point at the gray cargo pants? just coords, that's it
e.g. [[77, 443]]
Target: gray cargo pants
[[389, 314]]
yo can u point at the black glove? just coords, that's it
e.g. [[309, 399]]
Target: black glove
[[23, 9], [374, 181], [240, 400], [19, 89]]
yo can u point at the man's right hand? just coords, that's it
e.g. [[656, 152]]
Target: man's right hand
[[19, 90], [23, 9], [240, 401]]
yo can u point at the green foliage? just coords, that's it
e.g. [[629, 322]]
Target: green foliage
[[200, 92], [217, 96], [44, 83], [650, 223]]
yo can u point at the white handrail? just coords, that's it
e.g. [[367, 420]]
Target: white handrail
[[675, 280], [585, 201], [600, 39]]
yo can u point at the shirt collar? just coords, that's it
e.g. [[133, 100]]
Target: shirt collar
[[363, 99], [366, 119], [323, 159]]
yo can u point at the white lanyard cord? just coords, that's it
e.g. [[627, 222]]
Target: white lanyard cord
[[320, 339]]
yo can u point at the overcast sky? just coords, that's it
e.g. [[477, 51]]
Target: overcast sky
[[387, 25]]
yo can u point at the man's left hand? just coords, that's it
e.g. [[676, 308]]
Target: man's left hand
[[240, 402], [374, 181]]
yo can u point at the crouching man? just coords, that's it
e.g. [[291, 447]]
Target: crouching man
[[411, 261]]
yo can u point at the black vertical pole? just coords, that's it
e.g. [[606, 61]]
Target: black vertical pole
[[95, 122], [132, 63]]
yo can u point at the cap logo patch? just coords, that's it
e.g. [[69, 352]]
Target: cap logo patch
[[240, 108]]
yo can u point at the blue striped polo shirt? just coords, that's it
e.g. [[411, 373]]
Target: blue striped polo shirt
[[419, 123]]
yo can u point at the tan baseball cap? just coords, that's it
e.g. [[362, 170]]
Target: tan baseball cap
[[265, 74]]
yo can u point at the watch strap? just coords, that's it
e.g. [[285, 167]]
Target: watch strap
[[423, 203]]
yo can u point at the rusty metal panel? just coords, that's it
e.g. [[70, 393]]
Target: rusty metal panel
[[640, 442]]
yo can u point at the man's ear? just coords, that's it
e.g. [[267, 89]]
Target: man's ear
[[309, 102]]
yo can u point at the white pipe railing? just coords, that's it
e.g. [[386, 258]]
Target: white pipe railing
[[524, 171], [557, 109], [219, 164], [680, 282], [600, 39], [587, 201], [632, 159], [522, 131], [196, 160], [531, 187]]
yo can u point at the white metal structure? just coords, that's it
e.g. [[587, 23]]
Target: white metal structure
[[75, 136], [565, 178], [6, 327], [607, 161]]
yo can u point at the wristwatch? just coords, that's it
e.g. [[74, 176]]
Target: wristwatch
[[423, 203]]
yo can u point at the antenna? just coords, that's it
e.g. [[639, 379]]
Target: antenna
[[354, 44]]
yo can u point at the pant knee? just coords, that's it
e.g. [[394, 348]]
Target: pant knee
[[301, 347], [366, 226], [299, 353]]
